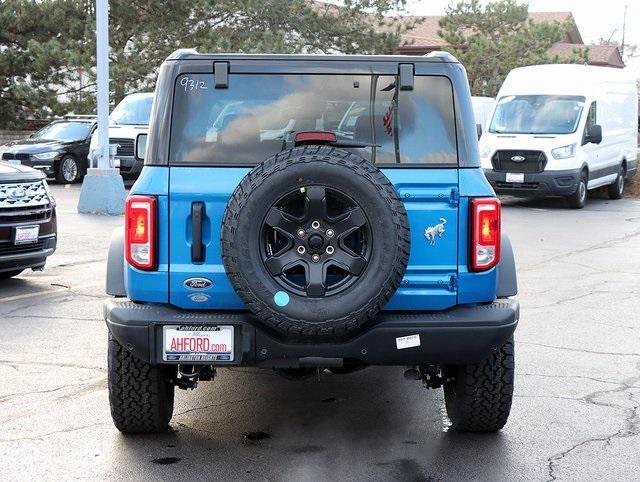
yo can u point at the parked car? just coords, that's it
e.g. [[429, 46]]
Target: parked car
[[128, 126], [27, 220], [560, 130], [334, 245], [59, 149]]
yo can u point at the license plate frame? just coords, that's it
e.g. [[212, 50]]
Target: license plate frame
[[515, 177], [26, 234], [216, 344]]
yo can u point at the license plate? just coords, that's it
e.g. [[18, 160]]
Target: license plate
[[199, 343], [14, 161], [515, 177], [26, 234]]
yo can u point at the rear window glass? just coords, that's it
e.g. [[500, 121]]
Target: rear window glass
[[258, 116]]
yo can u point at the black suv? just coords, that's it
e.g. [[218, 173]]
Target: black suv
[[27, 220], [59, 149]]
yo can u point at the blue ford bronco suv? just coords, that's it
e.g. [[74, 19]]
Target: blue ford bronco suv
[[311, 214]]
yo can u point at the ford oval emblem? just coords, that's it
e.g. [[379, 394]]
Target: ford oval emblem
[[199, 297], [518, 158], [198, 283]]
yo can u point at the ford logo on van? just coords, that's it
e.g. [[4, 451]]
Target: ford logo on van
[[198, 283], [518, 158]]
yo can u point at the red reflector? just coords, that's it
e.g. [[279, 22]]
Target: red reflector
[[485, 233], [140, 232], [315, 136]]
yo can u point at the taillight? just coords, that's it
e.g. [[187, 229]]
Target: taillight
[[485, 233], [140, 232]]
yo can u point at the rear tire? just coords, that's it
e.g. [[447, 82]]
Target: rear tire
[[579, 198], [616, 190], [140, 394], [10, 274], [478, 396]]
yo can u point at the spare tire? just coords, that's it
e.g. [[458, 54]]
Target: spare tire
[[315, 241]]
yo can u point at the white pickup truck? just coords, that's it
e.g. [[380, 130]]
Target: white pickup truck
[[127, 123]]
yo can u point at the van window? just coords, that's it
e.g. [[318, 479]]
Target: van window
[[258, 115], [591, 120], [537, 114]]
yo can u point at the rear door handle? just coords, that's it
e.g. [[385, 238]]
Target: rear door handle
[[197, 219]]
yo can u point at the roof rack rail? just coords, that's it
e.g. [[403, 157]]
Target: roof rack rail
[[79, 116]]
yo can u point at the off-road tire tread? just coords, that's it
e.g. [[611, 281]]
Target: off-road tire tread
[[140, 395], [478, 399], [361, 167]]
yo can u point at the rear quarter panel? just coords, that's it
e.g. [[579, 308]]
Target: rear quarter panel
[[153, 286]]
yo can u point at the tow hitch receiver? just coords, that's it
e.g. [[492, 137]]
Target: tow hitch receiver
[[190, 374], [432, 376]]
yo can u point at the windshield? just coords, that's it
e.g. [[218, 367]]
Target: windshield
[[133, 110], [537, 114], [259, 115], [64, 131]]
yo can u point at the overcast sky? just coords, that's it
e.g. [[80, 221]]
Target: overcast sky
[[595, 19]]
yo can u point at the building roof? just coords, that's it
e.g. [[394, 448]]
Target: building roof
[[605, 55], [425, 33]]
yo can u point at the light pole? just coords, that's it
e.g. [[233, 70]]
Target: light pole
[[102, 188]]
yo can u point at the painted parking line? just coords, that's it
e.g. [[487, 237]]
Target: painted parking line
[[47, 292]]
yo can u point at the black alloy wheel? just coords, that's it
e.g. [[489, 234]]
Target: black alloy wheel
[[316, 241]]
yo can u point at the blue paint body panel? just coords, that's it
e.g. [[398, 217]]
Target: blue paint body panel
[[473, 287], [152, 286], [429, 195], [437, 276], [214, 187]]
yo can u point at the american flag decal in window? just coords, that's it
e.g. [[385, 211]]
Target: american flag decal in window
[[387, 120]]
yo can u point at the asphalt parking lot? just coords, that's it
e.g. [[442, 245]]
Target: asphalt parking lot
[[575, 415]]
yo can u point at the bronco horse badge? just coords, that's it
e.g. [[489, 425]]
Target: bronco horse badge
[[432, 231]]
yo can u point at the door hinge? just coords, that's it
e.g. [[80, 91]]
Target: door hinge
[[453, 283], [454, 196]]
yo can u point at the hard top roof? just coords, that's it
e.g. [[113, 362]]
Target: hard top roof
[[433, 57]]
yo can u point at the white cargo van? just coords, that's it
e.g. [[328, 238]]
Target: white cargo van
[[559, 130]]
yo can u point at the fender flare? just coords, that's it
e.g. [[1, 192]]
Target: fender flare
[[115, 285], [507, 278]]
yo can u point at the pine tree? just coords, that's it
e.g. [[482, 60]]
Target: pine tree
[[492, 40]]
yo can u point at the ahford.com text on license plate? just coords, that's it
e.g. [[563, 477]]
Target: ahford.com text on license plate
[[197, 343]]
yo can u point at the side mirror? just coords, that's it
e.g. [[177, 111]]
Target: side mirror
[[479, 130], [594, 134], [141, 146]]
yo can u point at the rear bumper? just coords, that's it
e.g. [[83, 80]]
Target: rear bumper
[[546, 183], [460, 335], [27, 256]]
